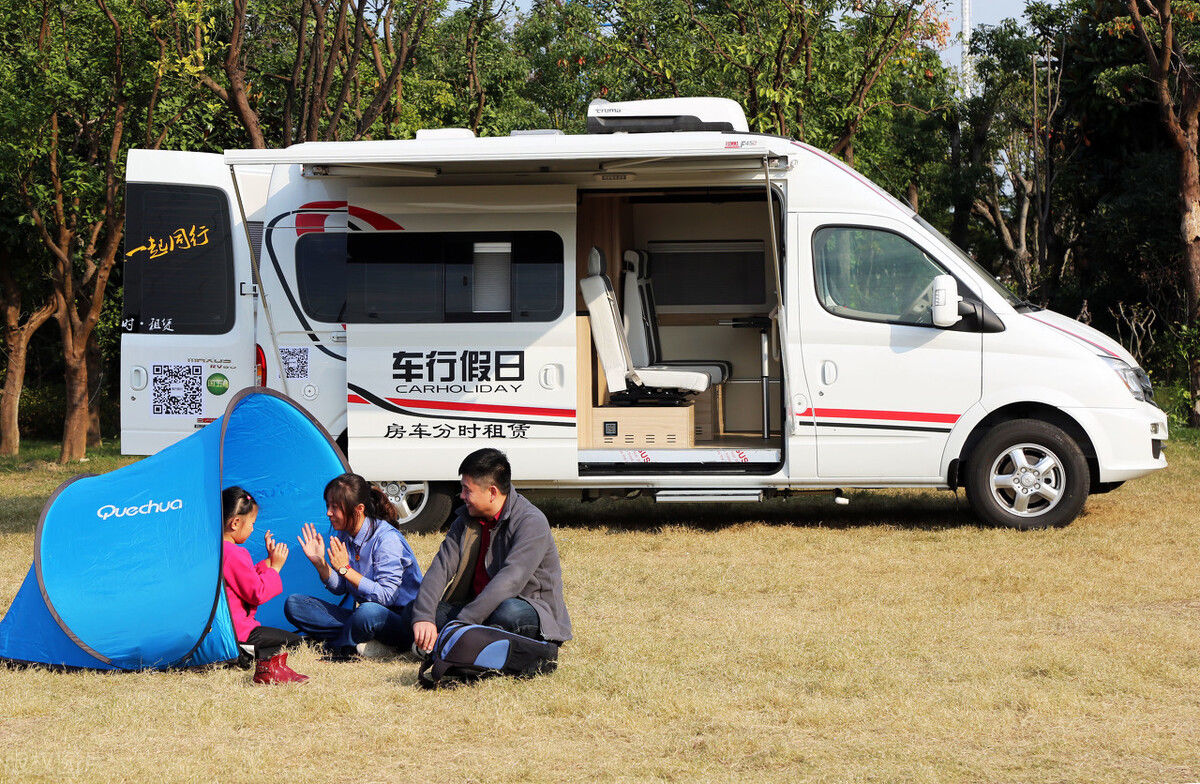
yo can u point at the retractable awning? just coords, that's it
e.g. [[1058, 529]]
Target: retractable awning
[[543, 153]]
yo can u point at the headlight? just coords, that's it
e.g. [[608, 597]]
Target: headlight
[[1133, 378]]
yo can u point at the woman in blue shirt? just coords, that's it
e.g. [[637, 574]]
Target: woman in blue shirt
[[368, 559]]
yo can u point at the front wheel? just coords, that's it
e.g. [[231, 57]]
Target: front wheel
[[1027, 474], [424, 506]]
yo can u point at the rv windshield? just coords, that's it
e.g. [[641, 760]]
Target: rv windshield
[[984, 275]]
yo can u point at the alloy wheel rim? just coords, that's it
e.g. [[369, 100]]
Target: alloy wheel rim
[[1027, 480]]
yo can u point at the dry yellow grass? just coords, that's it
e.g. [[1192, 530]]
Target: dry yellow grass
[[891, 640]]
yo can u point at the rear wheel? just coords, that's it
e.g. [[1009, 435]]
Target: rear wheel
[[1027, 474], [423, 506]]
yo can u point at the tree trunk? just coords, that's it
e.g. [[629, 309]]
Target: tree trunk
[[963, 197], [16, 346], [1189, 208], [75, 420], [95, 368], [10, 399]]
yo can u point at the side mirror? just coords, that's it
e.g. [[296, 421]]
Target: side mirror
[[945, 301]]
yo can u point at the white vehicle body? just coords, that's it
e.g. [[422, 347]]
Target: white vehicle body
[[416, 296]]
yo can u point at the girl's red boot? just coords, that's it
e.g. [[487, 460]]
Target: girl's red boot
[[275, 670], [289, 675]]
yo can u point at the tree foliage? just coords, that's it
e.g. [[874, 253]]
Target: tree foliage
[[1051, 169]]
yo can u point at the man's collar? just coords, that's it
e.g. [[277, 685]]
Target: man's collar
[[506, 509], [503, 514]]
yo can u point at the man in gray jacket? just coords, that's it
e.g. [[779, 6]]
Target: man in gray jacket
[[497, 565]]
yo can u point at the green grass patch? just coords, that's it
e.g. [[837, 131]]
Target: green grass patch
[[893, 639]]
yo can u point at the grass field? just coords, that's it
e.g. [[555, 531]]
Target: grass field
[[890, 640]]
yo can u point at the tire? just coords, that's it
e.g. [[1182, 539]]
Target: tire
[[424, 506], [1027, 474]]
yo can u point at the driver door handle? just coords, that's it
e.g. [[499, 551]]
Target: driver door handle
[[829, 372]]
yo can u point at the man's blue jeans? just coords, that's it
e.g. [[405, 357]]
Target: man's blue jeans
[[342, 627], [514, 615]]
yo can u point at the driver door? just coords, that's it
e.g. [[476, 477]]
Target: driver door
[[887, 385]]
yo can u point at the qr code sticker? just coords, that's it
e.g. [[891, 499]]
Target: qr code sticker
[[295, 362], [177, 390]]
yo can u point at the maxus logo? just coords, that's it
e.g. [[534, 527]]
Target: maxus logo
[[150, 507]]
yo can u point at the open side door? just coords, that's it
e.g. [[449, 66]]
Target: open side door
[[461, 331]]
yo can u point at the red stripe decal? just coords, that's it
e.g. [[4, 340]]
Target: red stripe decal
[[482, 408], [357, 399], [374, 219], [314, 221], [1072, 334], [894, 416], [324, 205]]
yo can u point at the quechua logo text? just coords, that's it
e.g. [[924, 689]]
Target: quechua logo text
[[150, 507]]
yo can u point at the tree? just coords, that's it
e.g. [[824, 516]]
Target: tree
[[299, 70], [1169, 44], [812, 69], [1001, 146], [83, 86]]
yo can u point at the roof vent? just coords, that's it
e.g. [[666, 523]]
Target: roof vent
[[664, 115], [431, 134]]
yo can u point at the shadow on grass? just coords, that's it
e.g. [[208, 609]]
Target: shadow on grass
[[902, 509], [19, 513], [42, 456]]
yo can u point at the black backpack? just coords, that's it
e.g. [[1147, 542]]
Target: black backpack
[[466, 652]]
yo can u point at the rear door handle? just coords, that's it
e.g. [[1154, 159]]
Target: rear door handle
[[551, 376]]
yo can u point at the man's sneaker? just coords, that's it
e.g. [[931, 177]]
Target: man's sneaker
[[374, 649]]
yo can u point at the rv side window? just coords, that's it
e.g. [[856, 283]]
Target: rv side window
[[179, 275], [426, 277], [873, 274]]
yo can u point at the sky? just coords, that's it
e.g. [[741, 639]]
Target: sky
[[983, 12]]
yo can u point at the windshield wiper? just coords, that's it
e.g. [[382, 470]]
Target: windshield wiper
[[1025, 306]]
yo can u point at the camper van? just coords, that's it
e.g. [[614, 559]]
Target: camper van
[[667, 304]]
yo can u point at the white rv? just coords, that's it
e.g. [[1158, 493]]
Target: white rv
[[667, 303]]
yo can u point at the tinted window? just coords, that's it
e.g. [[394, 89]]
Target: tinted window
[[873, 274], [179, 275], [415, 277], [703, 275]]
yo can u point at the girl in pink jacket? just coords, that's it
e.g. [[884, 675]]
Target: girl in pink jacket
[[247, 585]]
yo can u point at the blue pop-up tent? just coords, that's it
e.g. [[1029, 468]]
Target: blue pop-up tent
[[127, 565]]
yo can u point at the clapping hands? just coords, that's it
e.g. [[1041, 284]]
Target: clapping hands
[[313, 544], [277, 552], [339, 556]]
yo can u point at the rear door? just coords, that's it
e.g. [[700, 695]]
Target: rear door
[[187, 325], [461, 331]]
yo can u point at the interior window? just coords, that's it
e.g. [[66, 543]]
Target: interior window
[[873, 274], [709, 276]]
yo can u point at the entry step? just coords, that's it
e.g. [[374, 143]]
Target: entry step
[[676, 456], [707, 495]]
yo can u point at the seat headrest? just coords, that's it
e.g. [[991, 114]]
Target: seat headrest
[[631, 261], [595, 261]]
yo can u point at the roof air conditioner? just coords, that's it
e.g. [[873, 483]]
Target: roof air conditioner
[[665, 115]]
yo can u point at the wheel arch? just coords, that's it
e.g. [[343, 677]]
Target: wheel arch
[[1024, 410]]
